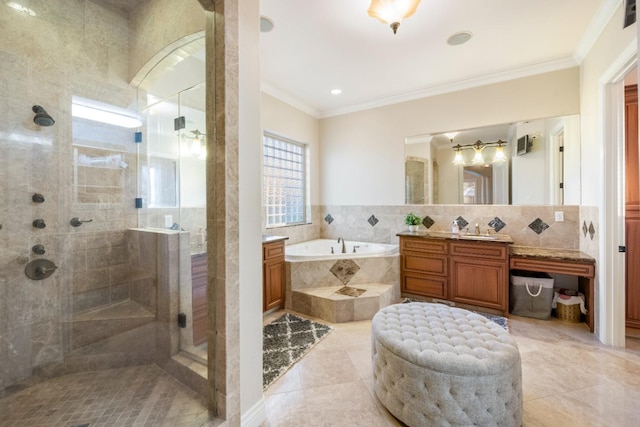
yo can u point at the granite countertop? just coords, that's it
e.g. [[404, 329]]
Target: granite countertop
[[198, 249], [469, 237], [551, 254], [266, 238]]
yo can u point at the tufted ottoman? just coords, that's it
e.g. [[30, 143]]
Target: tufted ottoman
[[435, 365]]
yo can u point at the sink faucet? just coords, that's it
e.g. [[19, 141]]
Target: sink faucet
[[344, 249], [477, 229]]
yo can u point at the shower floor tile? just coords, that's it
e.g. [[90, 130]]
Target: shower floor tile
[[134, 396]]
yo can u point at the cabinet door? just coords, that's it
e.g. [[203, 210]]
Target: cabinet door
[[479, 282], [273, 284]]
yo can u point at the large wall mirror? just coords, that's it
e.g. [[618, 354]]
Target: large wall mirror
[[534, 162]]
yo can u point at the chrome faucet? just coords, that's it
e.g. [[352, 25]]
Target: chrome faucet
[[477, 229], [344, 248]]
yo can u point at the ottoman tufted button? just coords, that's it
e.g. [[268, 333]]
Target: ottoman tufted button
[[445, 357]]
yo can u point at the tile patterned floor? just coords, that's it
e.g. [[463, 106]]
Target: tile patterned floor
[[134, 396], [569, 379]]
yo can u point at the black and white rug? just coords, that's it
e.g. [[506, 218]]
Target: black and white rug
[[502, 321], [285, 341]]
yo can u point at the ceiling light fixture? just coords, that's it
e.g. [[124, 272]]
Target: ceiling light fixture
[[392, 12], [477, 147]]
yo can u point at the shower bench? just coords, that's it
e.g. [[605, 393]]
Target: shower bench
[[439, 365]]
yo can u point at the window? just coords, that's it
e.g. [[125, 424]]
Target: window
[[284, 181]]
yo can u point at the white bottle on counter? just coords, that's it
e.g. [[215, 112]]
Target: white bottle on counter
[[200, 237], [454, 227]]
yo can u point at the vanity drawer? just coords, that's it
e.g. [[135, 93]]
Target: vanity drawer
[[424, 245], [426, 264], [424, 285], [272, 250], [480, 250]]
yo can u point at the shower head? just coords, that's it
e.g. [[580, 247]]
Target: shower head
[[42, 118]]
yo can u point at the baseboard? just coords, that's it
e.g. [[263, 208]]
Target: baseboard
[[255, 416]]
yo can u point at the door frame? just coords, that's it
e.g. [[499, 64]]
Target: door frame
[[610, 320]]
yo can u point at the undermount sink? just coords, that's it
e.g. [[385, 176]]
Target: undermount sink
[[478, 237]]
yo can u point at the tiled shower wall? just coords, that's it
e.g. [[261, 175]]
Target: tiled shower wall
[[80, 48]]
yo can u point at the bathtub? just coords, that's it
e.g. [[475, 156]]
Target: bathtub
[[330, 249], [313, 275]]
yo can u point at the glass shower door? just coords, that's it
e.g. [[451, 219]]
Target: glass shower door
[[193, 260]]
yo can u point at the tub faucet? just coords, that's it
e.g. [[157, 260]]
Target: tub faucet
[[344, 249]]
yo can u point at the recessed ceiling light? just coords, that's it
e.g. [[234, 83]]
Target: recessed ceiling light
[[266, 24], [459, 38], [336, 91]]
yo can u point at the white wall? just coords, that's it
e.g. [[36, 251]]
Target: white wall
[[249, 177], [362, 153], [607, 48]]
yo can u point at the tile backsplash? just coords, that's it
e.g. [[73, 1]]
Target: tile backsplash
[[353, 223]]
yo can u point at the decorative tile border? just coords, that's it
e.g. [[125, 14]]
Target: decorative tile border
[[344, 270], [592, 230], [462, 223], [585, 229], [428, 222], [538, 226], [372, 220], [328, 219], [497, 224]]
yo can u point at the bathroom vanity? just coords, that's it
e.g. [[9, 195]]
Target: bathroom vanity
[[572, 263], [471, 270], [474, 270]]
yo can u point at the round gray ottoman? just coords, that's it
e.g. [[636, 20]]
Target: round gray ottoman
[[435, 365]]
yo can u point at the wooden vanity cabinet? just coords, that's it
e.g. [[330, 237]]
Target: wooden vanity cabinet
[[474, 273], [480, 274], [424, 267], [273, 275]]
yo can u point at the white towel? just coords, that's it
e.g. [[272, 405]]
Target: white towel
[[569, 301]]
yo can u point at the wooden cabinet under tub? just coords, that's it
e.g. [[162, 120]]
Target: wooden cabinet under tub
[[462, 271]]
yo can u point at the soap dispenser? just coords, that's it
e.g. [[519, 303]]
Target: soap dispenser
[[454, 227]]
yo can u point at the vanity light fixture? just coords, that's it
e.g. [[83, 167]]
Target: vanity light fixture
[[477, 147], [392, 12], [197, 146], [336, 91]]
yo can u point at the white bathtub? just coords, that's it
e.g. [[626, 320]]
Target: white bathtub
[[321, 249]]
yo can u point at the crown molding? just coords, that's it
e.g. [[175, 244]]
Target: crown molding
[[289, 99], [502, 76], [597, 25]]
